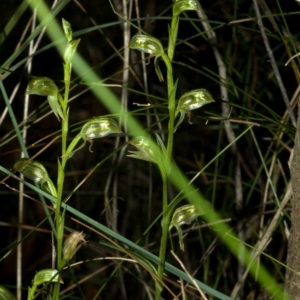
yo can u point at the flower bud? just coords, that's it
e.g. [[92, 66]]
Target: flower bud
[[31, 169], [35, 171], [182, 5], [184, 215], [46, 275], [67, 30], [42, 86], [70, 51], [71, 244], [99, 127], [146, 150], [192, 100], [146, 44], [5, 294]]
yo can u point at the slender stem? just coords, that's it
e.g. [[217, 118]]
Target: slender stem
[[163, 241], [59, 217], [171, 106]]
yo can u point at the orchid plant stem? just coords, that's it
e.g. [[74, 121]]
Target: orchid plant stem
[[59, 216], [171, 107]]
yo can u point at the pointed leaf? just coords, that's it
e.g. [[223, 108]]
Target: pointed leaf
[[158, 70], [5, 294]]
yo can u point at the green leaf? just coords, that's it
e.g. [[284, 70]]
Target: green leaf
[[157, 69], [5, 294]]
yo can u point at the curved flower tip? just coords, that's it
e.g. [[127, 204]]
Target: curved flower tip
[[146, 44], [183, 5]]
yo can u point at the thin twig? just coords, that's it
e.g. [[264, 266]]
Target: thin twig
[[273, 63], [226, 111], [189, 275]]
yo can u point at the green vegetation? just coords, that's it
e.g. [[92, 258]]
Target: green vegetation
[[183, 191]]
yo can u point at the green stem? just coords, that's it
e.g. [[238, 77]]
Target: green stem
[[59, 217], [171, 106], [164, 236]]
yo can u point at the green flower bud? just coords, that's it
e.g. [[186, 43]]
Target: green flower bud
[[184, 215], [46, 275], [71, 244], [192, 100], [35, 171], [99, 127], [31, 169], [70, 51], [182, 5], [146, 44], [5, 294], [95, 128], [44, 86], [147, 150], [67, 30]]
